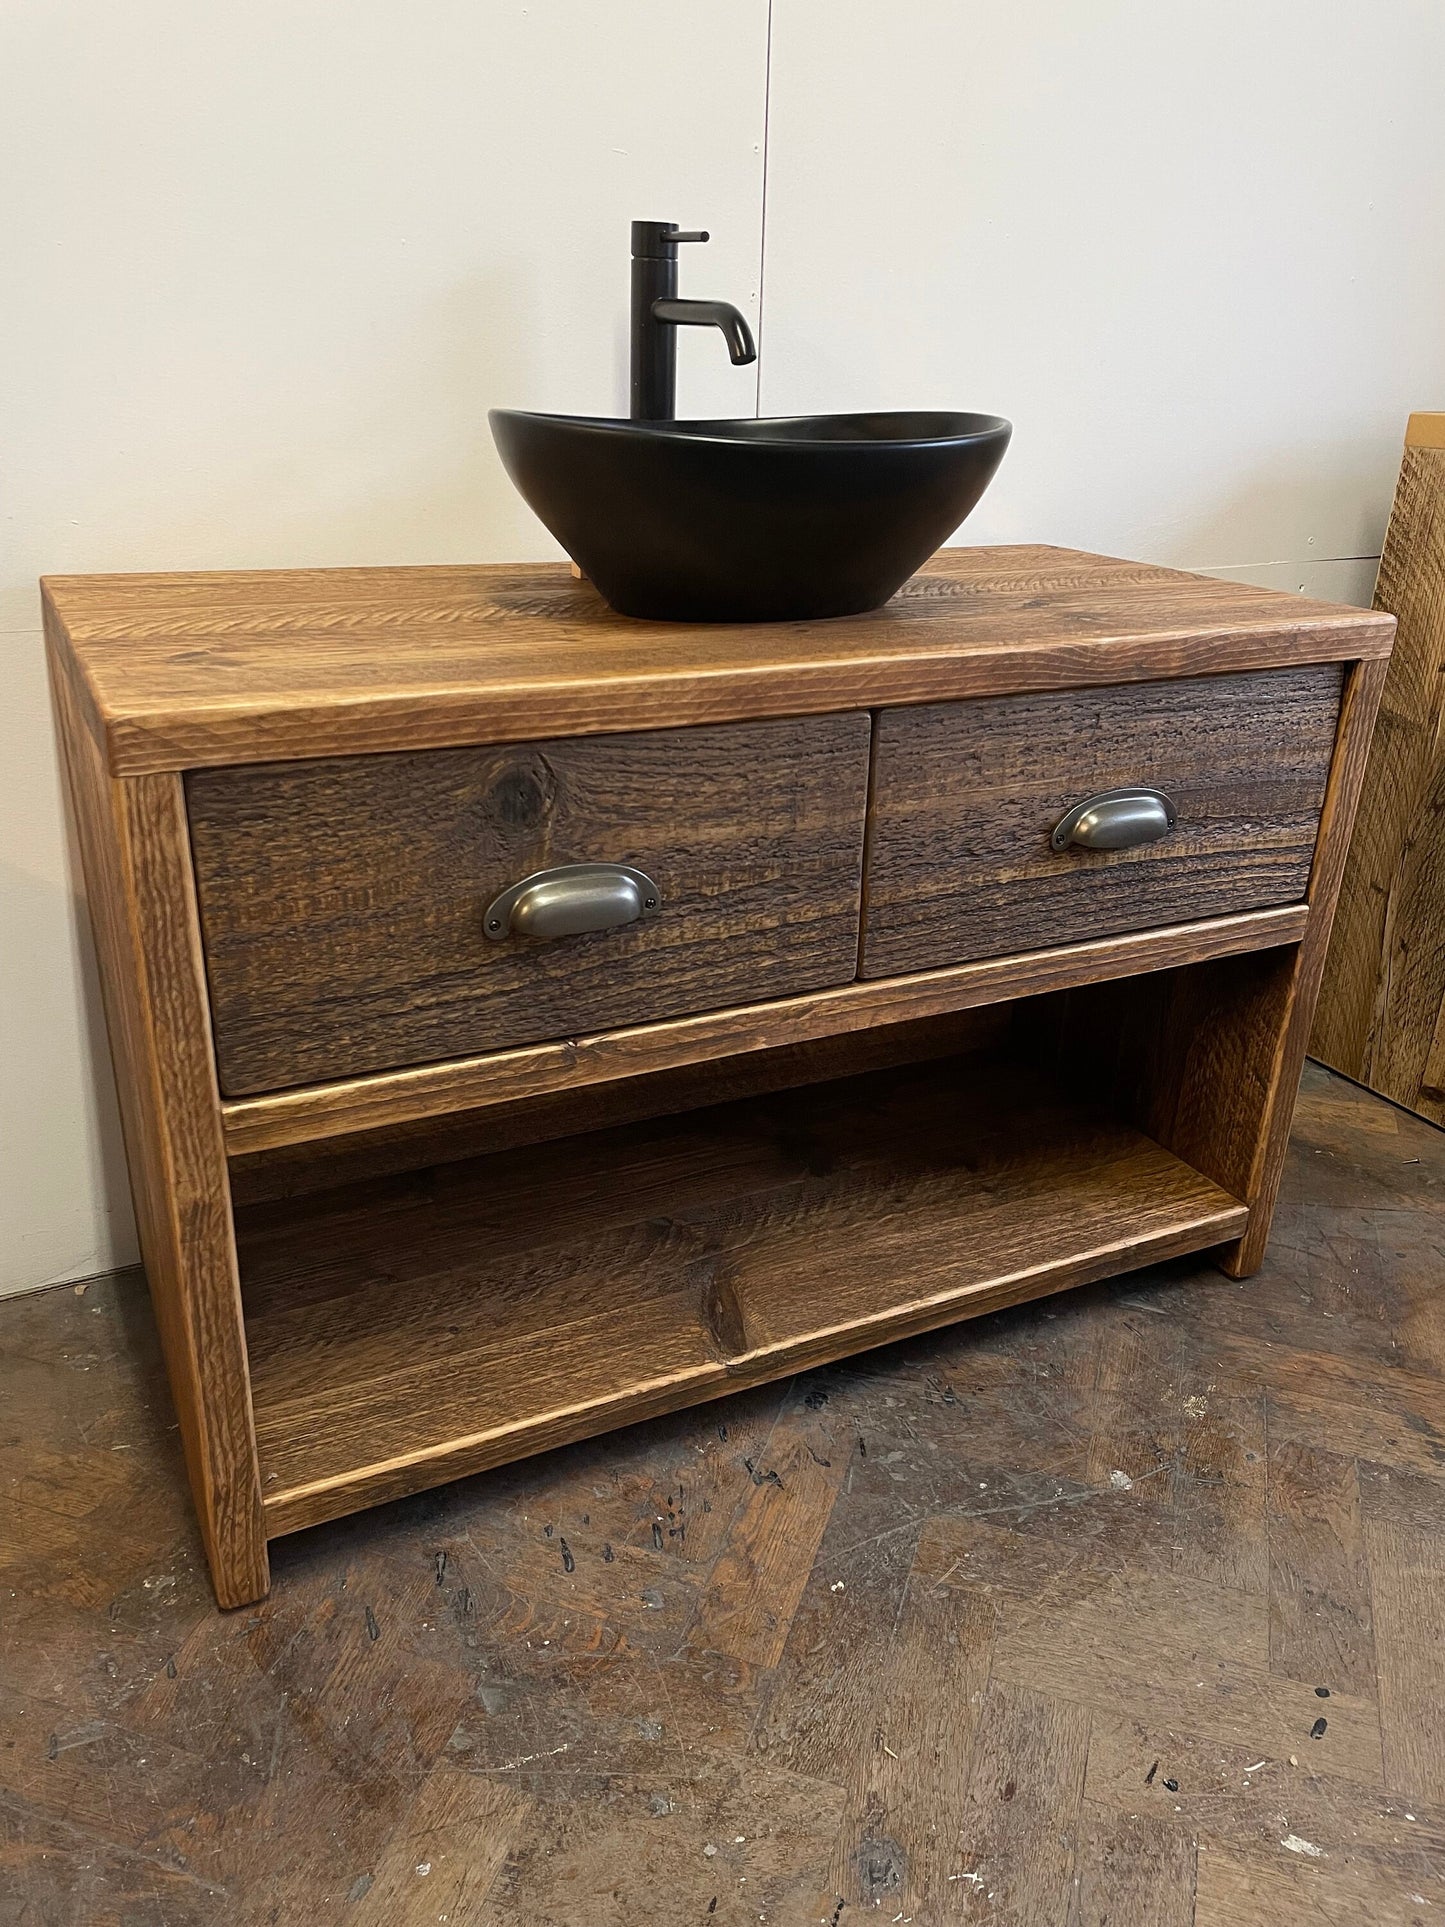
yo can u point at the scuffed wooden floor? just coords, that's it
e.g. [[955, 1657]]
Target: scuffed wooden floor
[[1124, 1608]]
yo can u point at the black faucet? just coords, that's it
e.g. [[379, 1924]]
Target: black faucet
[[658, 311]]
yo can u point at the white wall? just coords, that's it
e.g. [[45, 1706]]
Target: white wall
[[1195, 252], [268, 266]]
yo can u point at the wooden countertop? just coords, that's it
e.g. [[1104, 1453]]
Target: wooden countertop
[[177, 671]]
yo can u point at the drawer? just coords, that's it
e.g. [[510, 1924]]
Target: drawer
[[966, 797], [342, 901]]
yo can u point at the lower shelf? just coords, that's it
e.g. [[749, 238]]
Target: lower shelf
[[403, 1333]]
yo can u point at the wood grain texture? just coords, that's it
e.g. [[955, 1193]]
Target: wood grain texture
[[1405, 1549], [395, 1344], [966, 795], [524, 1682], [181, 671], [362, 1104], [1208, 1060], [1320, 1624], [1026, 1783], [136, 857], [342, 902], [293, 1169], [1382, 1005]]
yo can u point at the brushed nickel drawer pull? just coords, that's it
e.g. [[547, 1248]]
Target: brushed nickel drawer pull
[[1116, 820], [572, 899]]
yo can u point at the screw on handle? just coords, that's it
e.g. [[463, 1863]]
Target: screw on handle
[[1121, 819], [571, 900]]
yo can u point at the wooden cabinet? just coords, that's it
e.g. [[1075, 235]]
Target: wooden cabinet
[[342, 901], [418, 1195]]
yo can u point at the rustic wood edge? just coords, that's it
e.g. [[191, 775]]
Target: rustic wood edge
[[1364, 683], [135, 850], [292, 1509], [1425, 430], [436, 1090], [192, 737]]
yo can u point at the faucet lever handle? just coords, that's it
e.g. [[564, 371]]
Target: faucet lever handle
[[695, 234]]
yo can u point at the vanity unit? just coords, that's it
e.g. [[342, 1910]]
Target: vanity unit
[[953, 954]]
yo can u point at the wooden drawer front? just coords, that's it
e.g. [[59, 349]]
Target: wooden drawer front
[[967, 794], [342, 900]]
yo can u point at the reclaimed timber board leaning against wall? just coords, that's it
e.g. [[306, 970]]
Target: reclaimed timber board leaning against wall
[[1381, 1014]]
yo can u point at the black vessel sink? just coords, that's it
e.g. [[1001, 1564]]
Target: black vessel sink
[[751, 521]]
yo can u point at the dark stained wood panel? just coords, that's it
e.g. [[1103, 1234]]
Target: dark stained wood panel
[[180, 671], [342, 901], [966, 795], [406, 1331]]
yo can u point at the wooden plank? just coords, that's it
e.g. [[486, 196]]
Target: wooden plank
[[1166, 1652], [141, 896], [1134, 1871], [342, 901], [460, 1828], [1220, 1482], [405, 1332], [360, 1104], [186, 671], [1382, 1006], [1407, 1582], [1320, 1616], [905, 1839], [1021, 1812], [966, 795], [764, 1563]]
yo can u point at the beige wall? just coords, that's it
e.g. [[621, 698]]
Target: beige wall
[[268, 266]]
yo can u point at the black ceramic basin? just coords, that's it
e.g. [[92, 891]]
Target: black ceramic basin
[[751, 521]]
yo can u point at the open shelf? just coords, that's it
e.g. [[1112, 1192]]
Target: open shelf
[[407, 1331]]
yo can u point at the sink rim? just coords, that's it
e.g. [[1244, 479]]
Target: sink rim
[[710, 430]]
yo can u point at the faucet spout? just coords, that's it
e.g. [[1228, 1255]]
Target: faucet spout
[[682, 313], [657, 314]]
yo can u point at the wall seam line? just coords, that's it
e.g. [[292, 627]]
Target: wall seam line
[[763, 209]]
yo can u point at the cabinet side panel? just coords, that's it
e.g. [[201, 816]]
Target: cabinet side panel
[[141, 897], [1281, 1087]]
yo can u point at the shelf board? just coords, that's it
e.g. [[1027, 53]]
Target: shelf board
[[406, 1332]]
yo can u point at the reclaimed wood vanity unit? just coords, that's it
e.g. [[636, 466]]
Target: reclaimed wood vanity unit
[[952, 955]]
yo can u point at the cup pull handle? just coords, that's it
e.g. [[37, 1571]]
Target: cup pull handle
[[570, 900], [1116, 820]]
